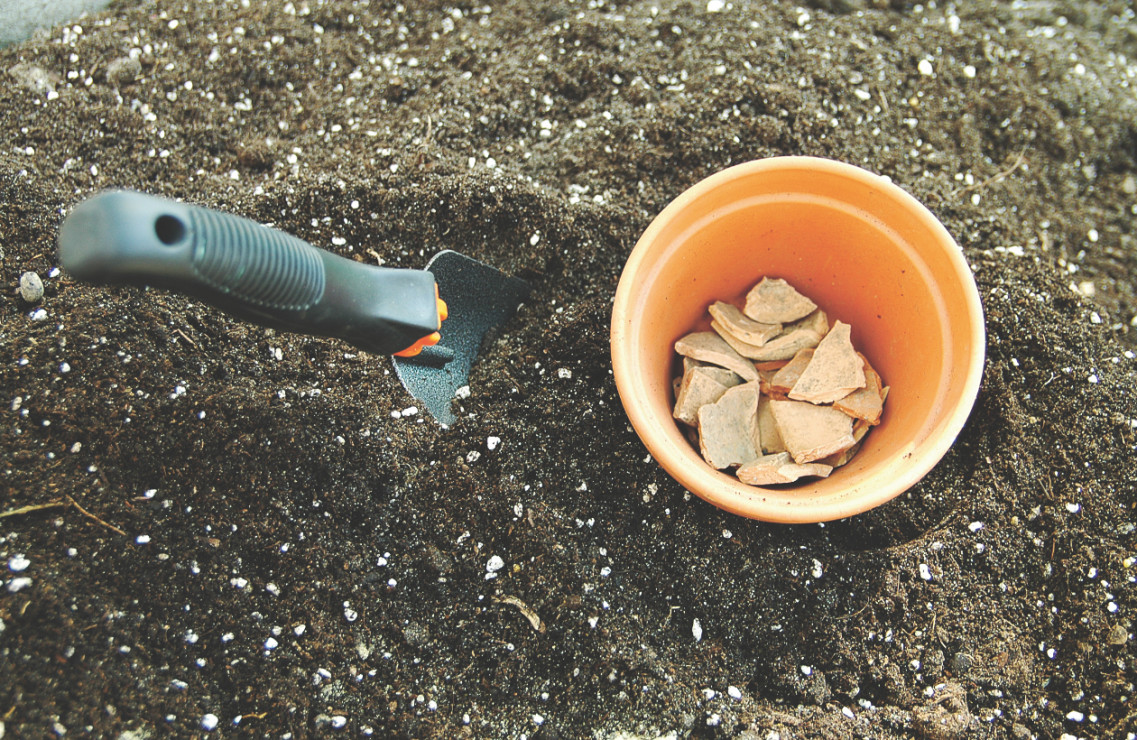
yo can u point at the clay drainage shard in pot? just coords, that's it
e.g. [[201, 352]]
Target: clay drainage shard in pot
[[868, 255]]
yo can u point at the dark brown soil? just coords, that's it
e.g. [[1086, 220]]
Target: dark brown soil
[[280, 499]]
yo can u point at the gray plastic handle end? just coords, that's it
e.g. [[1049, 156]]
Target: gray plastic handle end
[[248, 270]]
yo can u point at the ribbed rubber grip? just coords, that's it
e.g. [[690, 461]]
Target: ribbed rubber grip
[[250, 271], [248, 262]]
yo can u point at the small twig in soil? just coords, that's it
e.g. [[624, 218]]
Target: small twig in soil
[[531, 615], [182, 334], [89, 515], [32, 508], [997, 177]]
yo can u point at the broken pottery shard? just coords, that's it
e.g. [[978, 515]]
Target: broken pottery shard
[[768, 435], [812, 432], [784, 347], [701, 385], [779, 468], [866, 403], [835, 371], [728, 428], [844, 456], [784, 380], [710, 347], [765, 377], [776, 302], [816, 322], [741, 326]]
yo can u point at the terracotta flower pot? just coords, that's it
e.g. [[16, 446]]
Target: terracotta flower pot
[[868, 254]]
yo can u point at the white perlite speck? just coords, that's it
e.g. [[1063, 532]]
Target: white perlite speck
[[18, 584], [494, 564], [734, 693], [209, 722], [492, 443], [807, 670], [271, 644], [697, 630], [925, 572], [18, 563]]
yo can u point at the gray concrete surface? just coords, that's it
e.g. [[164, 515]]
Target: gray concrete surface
[[19, 18]]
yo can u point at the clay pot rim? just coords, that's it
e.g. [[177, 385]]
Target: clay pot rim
[[901, 473]]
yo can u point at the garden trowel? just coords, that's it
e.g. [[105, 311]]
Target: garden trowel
[[270, 278]]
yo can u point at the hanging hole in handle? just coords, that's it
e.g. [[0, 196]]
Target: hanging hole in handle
[[169, 229]]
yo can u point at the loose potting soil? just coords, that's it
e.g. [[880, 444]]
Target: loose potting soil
[[208, 527]]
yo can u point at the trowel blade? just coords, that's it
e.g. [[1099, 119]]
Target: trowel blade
[[479, 298]]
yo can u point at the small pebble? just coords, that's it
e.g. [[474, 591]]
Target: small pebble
[[960, 663], [123, 71], [31, 287]]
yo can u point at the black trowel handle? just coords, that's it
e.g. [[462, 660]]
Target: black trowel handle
[[250, 271]]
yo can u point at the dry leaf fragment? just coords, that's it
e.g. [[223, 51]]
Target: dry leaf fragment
[[710, 347], [812, 432], [774, 301], [741, 326], [728, 428], [835, 371]]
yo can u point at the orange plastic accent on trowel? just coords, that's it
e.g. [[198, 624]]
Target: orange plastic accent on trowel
[[430, 339]]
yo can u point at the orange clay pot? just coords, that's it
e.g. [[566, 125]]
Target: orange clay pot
[[862, 249]]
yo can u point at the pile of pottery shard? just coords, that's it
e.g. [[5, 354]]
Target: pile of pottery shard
[[774, 392]]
